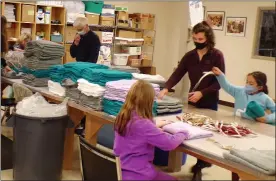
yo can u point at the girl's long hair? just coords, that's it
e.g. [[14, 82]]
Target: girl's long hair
[[140, 99]]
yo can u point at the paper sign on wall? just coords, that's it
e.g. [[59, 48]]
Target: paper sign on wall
[[196, 12]]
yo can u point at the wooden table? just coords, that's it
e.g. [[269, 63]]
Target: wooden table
[[95, 120], [211, 153]]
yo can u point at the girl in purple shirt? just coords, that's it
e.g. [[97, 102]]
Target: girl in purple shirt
[[136, 135]]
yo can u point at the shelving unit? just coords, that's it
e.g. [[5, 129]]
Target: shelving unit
[[15, 27]]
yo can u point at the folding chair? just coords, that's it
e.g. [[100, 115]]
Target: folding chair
[[98, 164]]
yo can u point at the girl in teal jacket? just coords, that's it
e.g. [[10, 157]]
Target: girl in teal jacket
[[253, 93]]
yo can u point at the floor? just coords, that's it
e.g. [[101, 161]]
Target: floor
[[213, 173]]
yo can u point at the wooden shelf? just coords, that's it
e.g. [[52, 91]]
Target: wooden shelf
[[57, 24], [27, 23]]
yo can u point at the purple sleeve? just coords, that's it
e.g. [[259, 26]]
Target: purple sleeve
[[219, 62], [161, 139]]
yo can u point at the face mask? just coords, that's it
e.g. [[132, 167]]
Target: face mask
[[249, 89], [200, 46], [81, 32]]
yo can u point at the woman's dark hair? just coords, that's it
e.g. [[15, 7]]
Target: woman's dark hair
[[261, 80], [205, 28], [4, 42]]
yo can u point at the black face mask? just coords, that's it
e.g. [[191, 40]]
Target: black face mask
[[200, 46]]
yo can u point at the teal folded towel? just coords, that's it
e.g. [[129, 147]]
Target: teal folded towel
[[113, 107], [254, 110]]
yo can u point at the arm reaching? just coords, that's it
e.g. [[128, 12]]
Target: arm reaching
[[161, 139]]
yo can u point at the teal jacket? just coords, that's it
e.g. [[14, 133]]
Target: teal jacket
[[242, 99]]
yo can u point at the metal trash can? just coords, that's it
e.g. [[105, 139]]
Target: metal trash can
[[38, 146]]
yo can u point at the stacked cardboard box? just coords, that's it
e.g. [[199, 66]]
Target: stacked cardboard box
[[108, 15], [142, 20]]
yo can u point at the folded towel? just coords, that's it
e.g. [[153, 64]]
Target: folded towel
[[259, 160], [254, 110], [194, 132]]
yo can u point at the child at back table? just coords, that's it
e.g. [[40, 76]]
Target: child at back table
[[136, 135], [255, 90]]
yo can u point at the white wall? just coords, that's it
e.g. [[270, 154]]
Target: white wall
[[238, 50]]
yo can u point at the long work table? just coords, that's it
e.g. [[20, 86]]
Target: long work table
[[200, 148]]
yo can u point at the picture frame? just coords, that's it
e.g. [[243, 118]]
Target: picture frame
[[236, 26], [216, 18]]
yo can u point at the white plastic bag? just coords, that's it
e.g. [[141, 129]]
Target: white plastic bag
[[37, 106], [7, 92]]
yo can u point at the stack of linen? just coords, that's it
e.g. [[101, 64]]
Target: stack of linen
[[56, 88], [193, 132], [125, 69], [102, 76], [156, 79], [115, 95], [169, 105], [40, 55], [91, 94], [73, 70]]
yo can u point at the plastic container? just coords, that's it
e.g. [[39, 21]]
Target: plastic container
[[120, 59], [93, 6], [38, 146], [56, 38]]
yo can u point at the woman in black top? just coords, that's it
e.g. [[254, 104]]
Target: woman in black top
[[4, 43]]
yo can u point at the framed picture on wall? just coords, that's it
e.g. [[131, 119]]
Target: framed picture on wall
[[236, 26], [216, 18]]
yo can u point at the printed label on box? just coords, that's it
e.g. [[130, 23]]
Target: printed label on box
[[107, 37]]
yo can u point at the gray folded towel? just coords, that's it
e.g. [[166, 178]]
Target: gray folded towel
[[259, 160], [31, 80]]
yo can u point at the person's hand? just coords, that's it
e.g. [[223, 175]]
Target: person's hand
[[195, 96], [216, 71], [162, 123], [77, 39], [163, 93], [7, 69], [261, 119]]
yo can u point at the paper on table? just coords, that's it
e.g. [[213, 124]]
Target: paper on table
[[194, 132]]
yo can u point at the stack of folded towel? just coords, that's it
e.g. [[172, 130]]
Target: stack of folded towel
[[91, 94], [115, 95], [156, 79], [262, 161], [193, 132], [169, 105], [39, 56], [56, 88], [125, 69], [102, 76], [73, 70]]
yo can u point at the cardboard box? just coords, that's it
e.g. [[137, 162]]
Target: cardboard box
[[148, 70], [28, 13], [107, 21], [93, 19], [68, 58], [129, 34], [122, 19], [135, 62], [99, 33], [132, 50], [148, 40], [70, 34], [146, 63], [144, 21]]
